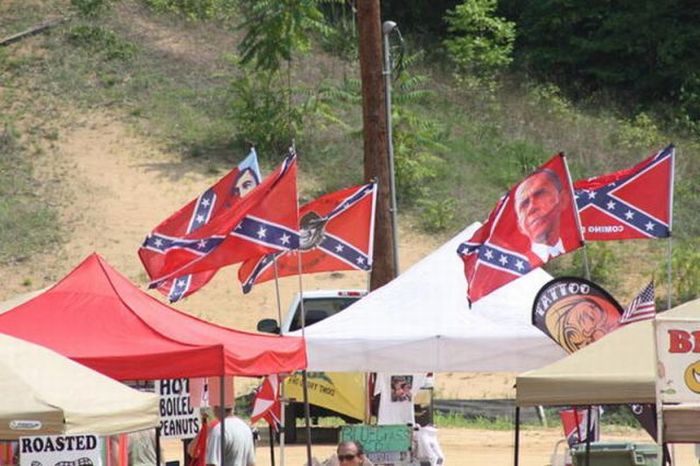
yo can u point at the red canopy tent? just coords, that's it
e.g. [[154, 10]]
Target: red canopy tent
[[98, 318]]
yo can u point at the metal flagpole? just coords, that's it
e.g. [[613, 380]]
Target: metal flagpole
[[586, 268], [222, 398], [670, 272], [281, 385], [158, 458], [588, 436], [387, 28], [272, 445], [517, 435], [305, 385]]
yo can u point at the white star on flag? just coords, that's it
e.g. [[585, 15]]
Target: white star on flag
[[262, 232], [489, 254], [339, 248], [611, 205], [202, 244], [503, 260], [649, 226], [205, 202], [284, 239], [629, 215]]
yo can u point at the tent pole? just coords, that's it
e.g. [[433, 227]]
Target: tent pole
[[305, 384], [517, 435], [588, 436], [222, 398], [158, 458], [272, 445]]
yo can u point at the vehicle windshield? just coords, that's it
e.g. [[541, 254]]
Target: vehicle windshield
[[317, 309]]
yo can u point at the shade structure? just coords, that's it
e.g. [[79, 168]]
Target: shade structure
[[421, 322], [98, 318], [44, 393], [619, 368]]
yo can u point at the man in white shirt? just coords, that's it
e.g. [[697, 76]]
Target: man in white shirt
[[239, 449], [538, 205]]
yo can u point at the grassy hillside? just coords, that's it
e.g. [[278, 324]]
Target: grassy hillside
[[177, 81]]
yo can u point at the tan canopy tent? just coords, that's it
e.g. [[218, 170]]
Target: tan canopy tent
[[617, 369], [44, 393]]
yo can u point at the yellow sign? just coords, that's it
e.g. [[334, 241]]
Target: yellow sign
[[343, 392]]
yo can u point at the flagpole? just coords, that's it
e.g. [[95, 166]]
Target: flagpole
[[281, 383], [670, 272], [305, 385], [586, 268]]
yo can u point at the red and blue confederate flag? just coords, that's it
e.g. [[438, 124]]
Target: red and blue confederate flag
[[263, 221], [574, 422], [336, 234], [266, 404], [629, 204], [535, 221], [237, 183]]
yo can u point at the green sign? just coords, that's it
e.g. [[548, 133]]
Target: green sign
[[378, 438]]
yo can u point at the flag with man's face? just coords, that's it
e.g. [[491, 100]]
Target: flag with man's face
[[336, 234], [535, 221], [636, 203], [236, 184], [264, 221]]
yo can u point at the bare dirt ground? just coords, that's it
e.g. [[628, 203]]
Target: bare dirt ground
[[115, 186], [473, 447]]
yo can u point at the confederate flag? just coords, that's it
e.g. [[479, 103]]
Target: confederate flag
[[575, 420], [629, 204], [237, 183], [336, 234], [263, 221], [534, 222], [266, 404]]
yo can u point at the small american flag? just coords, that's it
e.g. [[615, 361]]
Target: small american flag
[[642, 307]]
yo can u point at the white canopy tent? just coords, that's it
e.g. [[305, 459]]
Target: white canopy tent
[[44, 393], [421, 322]]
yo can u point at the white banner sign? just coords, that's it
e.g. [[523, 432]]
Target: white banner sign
[[178, 419], [60, 450], [678, 348]]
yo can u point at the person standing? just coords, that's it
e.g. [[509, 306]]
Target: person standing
[[239, 449]]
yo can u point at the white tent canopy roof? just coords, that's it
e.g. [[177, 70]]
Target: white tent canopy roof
[[421, 322], [59, 396]]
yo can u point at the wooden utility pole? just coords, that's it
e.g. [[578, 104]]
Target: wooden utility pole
[[375, 137]]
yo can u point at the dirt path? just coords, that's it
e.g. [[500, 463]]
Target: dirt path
[[475, 447]]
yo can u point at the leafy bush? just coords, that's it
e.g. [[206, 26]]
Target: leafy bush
[[685, 263], [100, 40], [480, 43], [437, 214], [262, 114]]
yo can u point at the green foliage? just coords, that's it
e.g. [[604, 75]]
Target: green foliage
[[438, 214], [261, 113], [277, 29], [195, 9], [603, 263], [640, 132], [341, 38], [480, 43], [685, 262], [103, 41], [27, 225], [90, 8], [589, 46]]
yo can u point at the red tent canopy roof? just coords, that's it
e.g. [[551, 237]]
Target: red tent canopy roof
[[97, 317]]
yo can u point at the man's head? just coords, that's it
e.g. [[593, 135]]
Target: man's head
[[350, 453], [245, 182], [538, 205]]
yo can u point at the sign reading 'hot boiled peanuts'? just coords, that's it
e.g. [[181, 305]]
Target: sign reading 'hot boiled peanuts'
[[678, 348], [60, 450], [178, 419]]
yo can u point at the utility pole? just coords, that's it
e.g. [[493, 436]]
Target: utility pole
[[376, 158]]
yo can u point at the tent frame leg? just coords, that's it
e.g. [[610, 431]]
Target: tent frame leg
[[517, 436], [588, 437]]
